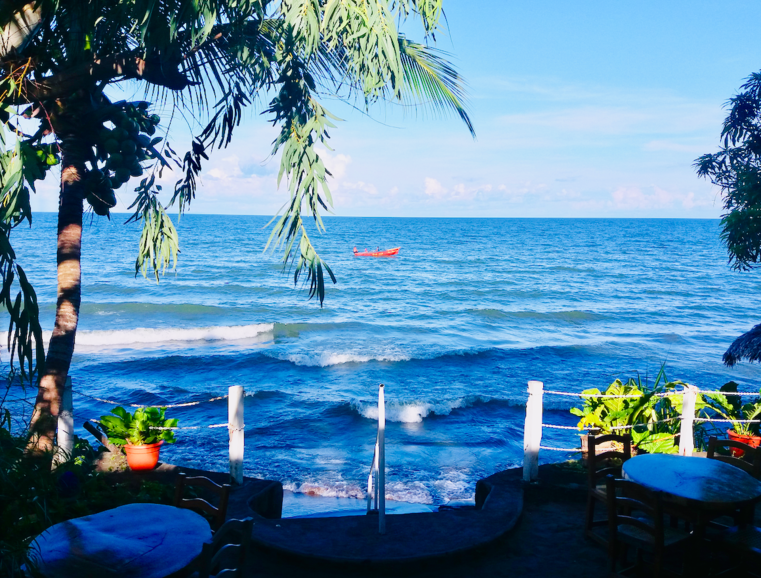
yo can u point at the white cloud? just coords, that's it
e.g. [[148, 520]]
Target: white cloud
[[653, 197], [434, 189]]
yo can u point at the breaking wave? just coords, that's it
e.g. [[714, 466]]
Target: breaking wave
[[145, 335], [411, 492], [328, 358], [416, 411]]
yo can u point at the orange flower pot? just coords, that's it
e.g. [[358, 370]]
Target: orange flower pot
[[752, 441], [143, 457]]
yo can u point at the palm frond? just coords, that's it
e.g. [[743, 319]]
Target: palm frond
[[431, 81]]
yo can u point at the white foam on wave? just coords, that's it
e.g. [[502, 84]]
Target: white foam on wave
[[411, 492], [414, 411], [145, 335], [328, 358]]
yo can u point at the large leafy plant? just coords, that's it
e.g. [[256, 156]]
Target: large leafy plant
[[649, 414], [143, 427], [732, 408]]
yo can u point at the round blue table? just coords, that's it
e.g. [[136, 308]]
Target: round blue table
[[137, 540], [711, 484]]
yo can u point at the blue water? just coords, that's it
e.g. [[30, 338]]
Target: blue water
[[454, 327]]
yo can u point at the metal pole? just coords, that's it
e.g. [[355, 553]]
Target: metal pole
[[686, 438], [65, 436], [532, 431], [381, 461], [236, 428]]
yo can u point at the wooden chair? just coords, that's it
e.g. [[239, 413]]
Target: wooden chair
[[225, 557], [216, 514], [598, 467], [749, 462], [635, 518]]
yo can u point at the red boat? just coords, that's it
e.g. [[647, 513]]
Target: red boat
[[386, 253]]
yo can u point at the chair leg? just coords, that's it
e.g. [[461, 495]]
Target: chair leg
[[590, 514], [612, 557]]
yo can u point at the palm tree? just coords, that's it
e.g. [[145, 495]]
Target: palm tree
[[60, 61]]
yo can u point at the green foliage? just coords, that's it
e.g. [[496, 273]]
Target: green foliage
[[159, 241], [20, 166], [736, 170], [33, 497], [644, 415], [732, 407], [188, 55], [140, 428]]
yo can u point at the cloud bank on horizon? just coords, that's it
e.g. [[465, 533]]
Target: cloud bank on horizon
[[596, 111]]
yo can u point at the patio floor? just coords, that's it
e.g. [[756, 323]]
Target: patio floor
[[547, 541]]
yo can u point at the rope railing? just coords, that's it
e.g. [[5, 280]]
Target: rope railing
[[633, 396], [234, 424], [186, 404], [178, 428], [534, 424]]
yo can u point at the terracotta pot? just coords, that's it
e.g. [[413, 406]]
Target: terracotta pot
[[752, 441], [143, 457]]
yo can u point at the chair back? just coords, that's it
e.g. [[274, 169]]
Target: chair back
[[599, 465], [218, 513], [749, 460], [225, 557], [625, 500]]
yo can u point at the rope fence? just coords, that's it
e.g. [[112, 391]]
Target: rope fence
[[532, 432], [187, 404], [234, 424]]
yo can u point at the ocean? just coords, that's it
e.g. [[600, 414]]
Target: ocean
[[454, 326]]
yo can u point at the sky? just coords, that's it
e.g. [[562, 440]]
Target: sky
[[581, 109]]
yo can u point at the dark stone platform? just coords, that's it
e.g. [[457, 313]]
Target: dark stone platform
[[409, 537], [264, 498]]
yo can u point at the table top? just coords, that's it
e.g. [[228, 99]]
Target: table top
[[713, 483], [146, 540]]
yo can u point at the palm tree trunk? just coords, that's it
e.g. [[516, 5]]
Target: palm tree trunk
[[61, 348]]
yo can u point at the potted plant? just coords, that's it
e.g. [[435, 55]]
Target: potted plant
[[141, 433], [731, 407], [642, 414]]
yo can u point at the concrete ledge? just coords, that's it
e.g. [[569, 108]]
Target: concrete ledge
[[408, 538]]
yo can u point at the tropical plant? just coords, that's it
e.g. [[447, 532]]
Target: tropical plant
[[145, 426], [736, 170], [731, 407], [62, 63], [649, 414]]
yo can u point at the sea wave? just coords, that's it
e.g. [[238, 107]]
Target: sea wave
[[410, 492], [328, 358], [416, 411], [145, 335]]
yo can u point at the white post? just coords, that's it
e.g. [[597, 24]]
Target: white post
[[236, 428], [65, 436], [375, 476], [532, 431], [686, 438], [369, 491], [381, 461]]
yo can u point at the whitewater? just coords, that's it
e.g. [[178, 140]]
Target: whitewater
[[454, 326]]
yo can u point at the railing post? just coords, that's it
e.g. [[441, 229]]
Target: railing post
[[686, 437], [532, 431], [381, 461], [65, 437], [236, 428]]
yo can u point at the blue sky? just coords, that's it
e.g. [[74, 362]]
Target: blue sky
[[582, 109]]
